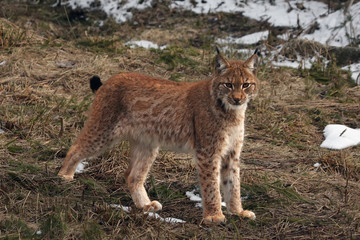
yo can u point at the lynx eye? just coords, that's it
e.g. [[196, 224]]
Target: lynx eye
[[245, 85], [229, 85]]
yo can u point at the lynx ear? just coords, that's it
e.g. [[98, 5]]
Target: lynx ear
[[253, 61], [221, 64]]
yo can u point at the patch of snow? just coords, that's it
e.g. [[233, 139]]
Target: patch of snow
[[167, 220], [144, 43], [247, 39], [193, 197], [118, 206], [304, 64], [196, 198], [38, 232], [282, 61], [2, 63], [355, 72], [316, 165], [285, 36], [277, 14], [335, 27], [99, 23], [150, 214], [1, 131], [80, 168], [119, 10], [340, 137]]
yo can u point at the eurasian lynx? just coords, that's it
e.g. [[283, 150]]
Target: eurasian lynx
[[205, 118]]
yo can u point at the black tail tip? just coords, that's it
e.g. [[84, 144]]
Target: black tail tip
[[217, 50], [257, 52], [95, 83]]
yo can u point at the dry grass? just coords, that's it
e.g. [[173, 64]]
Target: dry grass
[[43, 107]]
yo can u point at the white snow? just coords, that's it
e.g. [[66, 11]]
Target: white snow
[[144, 43], [293, 63], [196, 198], [334, 28], [38, 232], [316, 165], [340, 137], [277, 14], [355, 72], [118, 206], [119, 10], [247, 39], [150, 214], [80, 168], [1, 131], [2, 63], [167, 220]]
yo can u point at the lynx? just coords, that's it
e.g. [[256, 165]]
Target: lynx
[[204, 118]]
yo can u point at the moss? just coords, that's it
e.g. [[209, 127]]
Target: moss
[[175, 56], [16, 229], [92, 231], [105, 45], [54, 226], [23, 167]]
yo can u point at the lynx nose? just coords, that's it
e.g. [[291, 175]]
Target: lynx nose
[[237, 100]]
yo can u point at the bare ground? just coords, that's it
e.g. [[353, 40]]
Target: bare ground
[[43, 107]]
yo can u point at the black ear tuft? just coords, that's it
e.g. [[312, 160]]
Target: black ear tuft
[[257, 52], [95, 83]]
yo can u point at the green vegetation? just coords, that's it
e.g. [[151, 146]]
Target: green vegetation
[[176, 56]]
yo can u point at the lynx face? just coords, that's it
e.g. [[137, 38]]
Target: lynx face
[[235, 83]]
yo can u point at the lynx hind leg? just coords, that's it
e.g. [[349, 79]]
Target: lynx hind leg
[[141, 158], [88, 145]]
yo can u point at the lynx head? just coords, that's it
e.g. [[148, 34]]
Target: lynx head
[[235, 82]]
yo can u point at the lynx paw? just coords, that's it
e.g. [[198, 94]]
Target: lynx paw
[[247, 214], [214, 219], [66, 177], [154, 206]]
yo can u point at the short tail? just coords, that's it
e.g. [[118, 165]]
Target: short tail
[[95, 83]]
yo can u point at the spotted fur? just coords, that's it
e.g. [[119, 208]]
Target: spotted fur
[[204, 118]]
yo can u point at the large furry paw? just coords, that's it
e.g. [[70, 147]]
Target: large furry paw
[[247, 214], [154, 206], [66, 177], [214, 219]]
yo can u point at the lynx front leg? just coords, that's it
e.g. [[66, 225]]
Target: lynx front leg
[[141, 160], [209, 173], [230, 181]]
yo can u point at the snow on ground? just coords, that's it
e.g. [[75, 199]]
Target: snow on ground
[[317, 165], [247, 39], [277, 14], [144, 43], [80, 168], [119, 10], [150, 214], [335, 27], [196, 198], [340, 137], [293, 63], [355, 72]]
